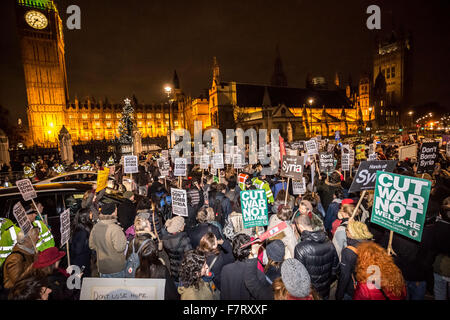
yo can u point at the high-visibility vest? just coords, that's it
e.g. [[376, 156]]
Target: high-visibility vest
[[45, 236], [241, 180], [263, 185], [8, 239]]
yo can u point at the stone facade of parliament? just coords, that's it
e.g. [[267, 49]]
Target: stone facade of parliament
[[318, 109]]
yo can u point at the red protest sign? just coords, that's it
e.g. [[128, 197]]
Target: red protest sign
[[268, 234]]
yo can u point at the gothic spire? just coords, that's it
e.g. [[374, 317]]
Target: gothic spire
[[176, 80], [278, 76]]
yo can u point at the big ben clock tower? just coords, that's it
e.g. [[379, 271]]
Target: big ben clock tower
[[42, 46]]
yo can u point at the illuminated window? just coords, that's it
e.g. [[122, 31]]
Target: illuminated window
[[175, 123], [108, 116], [167, 123], [118, 115], [98, 124], [149, 115], [158, 116], [96, 116], [139, 116], [166, 116], [85, 126], [84, 116], [70, 116], [140, 123], [108, 124]]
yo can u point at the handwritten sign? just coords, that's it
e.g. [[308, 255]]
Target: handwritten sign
[[26, 189], [22, 218], [122, 289], [130, 164], [65, 227]]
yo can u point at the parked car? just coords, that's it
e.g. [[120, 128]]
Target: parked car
[[55, 197], [83, 176]]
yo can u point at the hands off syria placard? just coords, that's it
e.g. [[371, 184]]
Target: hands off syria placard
[[400, 204]]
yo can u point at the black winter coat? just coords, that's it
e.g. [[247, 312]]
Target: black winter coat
[[232, 282], [255, 281], [80, 253], [126, 212], [317, 253], [223, 258], [196, 233], [176, 245]]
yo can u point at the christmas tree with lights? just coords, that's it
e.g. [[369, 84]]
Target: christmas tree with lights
[[126, 123]]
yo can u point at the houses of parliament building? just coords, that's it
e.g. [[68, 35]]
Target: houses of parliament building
[[377, 101]]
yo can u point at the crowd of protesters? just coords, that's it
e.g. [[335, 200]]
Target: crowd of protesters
[[323, 254]]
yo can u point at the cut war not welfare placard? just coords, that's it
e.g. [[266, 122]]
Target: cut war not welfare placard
[[254, 208], [400, 204]]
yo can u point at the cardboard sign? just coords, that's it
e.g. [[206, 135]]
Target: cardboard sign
[[254, 208], [311, 147], [180, 167], [122, 289], [326, 162], [130, 164], [65, 227], [407, 152], [292, 167], [400, 204], [361, 152], [26, 189], [22, 218], [204, 162], [218, 161], [179, 202], [299, 187], [428, 155], [365, 178], [102, 179]]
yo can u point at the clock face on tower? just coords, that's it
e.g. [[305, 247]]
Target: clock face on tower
[[36, 19]]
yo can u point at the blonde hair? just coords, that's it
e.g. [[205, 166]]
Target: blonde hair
[[346, 210], [205, 215]]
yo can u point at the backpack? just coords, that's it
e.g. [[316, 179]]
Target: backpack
[[133, 261]]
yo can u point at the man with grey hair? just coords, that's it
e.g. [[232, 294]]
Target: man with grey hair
[[21, 257]]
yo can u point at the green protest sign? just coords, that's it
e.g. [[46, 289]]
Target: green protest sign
[[400, 204], [254, 208]]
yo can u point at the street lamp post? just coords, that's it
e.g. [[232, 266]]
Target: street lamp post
[[168, 90], [310, 101], [411, 118]]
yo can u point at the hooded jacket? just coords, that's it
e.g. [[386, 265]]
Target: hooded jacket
[[108, 240], [326, 191], [318, 255]]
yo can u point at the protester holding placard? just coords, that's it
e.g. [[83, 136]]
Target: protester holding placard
[[21, 258], [287, 236]]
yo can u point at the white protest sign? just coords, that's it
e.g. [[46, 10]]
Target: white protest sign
[[165, 154], [65, 226], [299, 187], [130, 164], [164, 167], [345, 161], [352, 157], [26, 189], [311, 147], [407, 152], [291, 152], [179, 202], [22, 218], [204, 162], [237, 161], [373, 157], [218, 161], [122, 289], [180, 167]]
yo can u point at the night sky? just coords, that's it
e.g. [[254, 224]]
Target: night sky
[[131, 46]]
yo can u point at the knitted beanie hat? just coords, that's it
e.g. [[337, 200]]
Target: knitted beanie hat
[[175, 224], [276, 250], [296, 278]]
